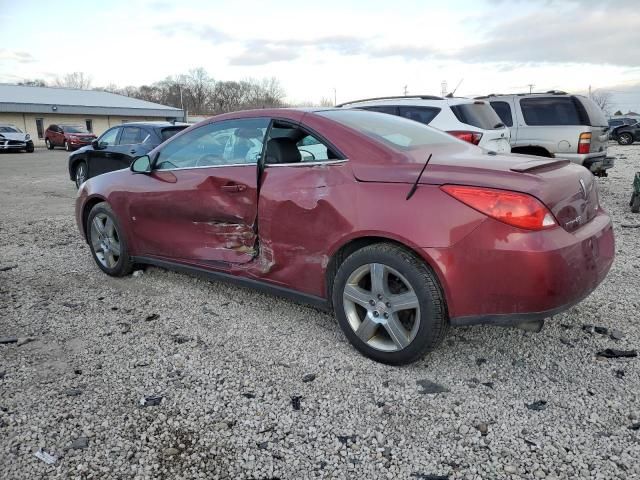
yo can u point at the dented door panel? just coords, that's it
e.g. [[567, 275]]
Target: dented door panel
[[198, 214]]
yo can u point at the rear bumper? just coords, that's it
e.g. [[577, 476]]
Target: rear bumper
[[593, 162], [505, 276]]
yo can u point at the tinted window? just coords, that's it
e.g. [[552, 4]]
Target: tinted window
[[109, 137], [590, 112], [390, 109], [8, 129], [73, 129], [396, 132], [419, 114], [167, 133], [215, 144], [478, 114], [551, 111], [131, 136], [615, 123], [503, 109]]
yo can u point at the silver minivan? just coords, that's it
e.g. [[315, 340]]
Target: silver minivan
[[556, 124]]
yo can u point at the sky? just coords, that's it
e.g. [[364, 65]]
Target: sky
[[334, 49]]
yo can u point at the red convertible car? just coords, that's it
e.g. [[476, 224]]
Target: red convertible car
[[398, 228]]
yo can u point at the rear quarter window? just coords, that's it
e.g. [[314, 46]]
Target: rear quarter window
[[390, 109], [503, 109], [419, 114], [478, 114], [553, 111], [167, 133]]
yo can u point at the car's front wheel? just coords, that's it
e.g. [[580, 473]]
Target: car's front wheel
[[107, 242], [81, 173], [625, 139], [389, 304], [48, 143]]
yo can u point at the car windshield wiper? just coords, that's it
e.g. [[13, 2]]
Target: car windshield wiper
[[414, 187]]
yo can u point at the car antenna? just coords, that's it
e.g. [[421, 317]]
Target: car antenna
[[451, 94], [414, 187]]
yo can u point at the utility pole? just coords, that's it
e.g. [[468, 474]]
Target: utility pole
[[531, 85], [335, 96], [405, 90], [443, 88]]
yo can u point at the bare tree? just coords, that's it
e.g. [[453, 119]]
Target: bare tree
[[78, 80], [198, 87], [602, 99]]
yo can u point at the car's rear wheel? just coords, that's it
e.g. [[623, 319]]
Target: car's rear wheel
[[389, 304], [107, 242], [81, 173], [625, 139], [30, 148], [67, 146], [48, 143]]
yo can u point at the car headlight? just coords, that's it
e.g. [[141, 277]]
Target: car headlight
[[27, 137]]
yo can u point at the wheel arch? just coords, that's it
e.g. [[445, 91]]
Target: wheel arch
[[73, 164], [353, 244], [86, 209], [533, 150]]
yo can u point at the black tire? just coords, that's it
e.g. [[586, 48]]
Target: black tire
[[635, 203], [81, 173], [66, 146], [433, 323], [122, 265], [625, 138], [48, 143]]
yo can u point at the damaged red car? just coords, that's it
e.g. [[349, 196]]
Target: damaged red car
[[399, 229]]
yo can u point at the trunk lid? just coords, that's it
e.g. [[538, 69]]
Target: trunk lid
[[568, 190]]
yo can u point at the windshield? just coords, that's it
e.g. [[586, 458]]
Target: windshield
[[396, 132], [73, 129], [8, 129], [167, 133]]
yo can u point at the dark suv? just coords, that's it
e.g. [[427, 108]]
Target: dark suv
[[68, 136], [118, 147], [626, 134]]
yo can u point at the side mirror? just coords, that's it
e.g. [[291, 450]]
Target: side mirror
[[141, 165], [95, 144]]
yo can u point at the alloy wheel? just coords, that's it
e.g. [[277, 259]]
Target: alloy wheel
[[625, 139], [105, 240], [381, 307], [81, 174]]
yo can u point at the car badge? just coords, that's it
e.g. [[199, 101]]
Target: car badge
[[583, 188]]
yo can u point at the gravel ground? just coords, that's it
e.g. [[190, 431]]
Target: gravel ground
[[235, 370]]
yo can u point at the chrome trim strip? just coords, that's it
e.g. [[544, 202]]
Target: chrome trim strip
[[306, 164], [204, 166]]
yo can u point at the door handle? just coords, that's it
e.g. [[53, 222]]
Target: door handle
[[234, 188]]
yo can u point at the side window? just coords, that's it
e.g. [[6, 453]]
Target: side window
[[503, 109], [390, 109], [231, 142], [419, 114], [550, 111], [109, 137], [39, 127], [130, 136], [289, 144]]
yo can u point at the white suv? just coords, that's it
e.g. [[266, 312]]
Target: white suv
[[471, 120]]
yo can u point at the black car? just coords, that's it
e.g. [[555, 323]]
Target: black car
[[118, 147], [626, 134]]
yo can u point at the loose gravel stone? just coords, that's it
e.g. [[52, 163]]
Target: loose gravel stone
[[246, 342], [80, 443]]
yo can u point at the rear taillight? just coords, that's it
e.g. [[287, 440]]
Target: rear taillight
[[471, 137], [513, 208], [584, 143]]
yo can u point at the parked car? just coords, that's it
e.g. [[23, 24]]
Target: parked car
[[70, 137], [626, 134], [618, 122], [471, 120], [399, 228], [556, 124], [13, 139], [118, 147]]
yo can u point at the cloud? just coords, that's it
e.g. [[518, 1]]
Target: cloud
[[204, 32], [259, 53], [18, 56], [549, 36]]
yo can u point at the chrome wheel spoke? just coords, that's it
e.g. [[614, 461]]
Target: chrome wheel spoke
[[357, 295], [404, 301], [378, 278], [367, 328], [396, 331], [97, 224], [114, 246]]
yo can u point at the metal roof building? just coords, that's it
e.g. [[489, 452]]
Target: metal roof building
[[32, 109]]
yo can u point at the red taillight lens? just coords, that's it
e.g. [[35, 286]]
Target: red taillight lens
[[584, 143], [513, 208], [471, 137]]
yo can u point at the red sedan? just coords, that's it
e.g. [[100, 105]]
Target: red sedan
[[398, 228]]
